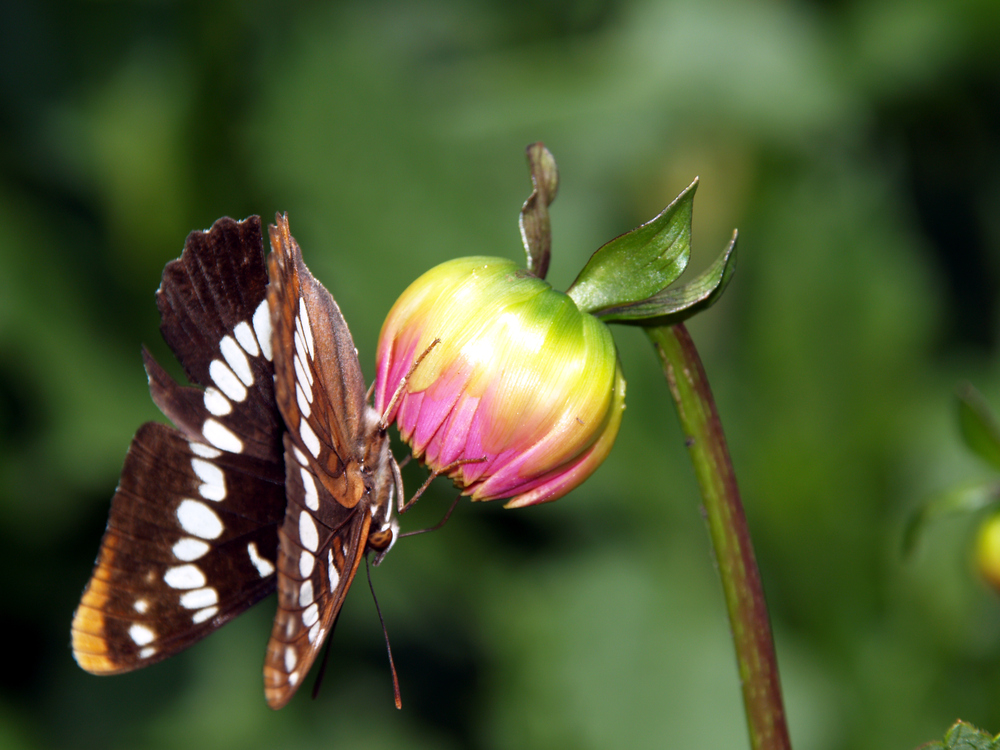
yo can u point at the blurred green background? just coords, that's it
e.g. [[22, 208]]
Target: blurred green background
[[855, 144]]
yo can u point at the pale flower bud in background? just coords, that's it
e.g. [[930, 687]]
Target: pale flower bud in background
[[988, 551]]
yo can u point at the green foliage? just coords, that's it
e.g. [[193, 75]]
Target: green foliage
[[978, 424], [981, 434], [963, 736], [963, 499], [854, 145], [639, 263], [675, 305]]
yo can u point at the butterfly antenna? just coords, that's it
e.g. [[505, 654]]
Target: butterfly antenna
[[388, 648], [326, 657]]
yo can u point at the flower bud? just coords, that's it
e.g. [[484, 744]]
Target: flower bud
[[988, 550], [522, 386]]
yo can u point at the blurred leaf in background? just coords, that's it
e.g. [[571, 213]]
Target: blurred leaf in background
[[856, 145]]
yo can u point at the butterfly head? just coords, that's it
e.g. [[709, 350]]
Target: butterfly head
[[380, 472]]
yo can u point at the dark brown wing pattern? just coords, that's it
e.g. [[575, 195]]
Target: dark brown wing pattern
[[191, 540], [276, 471], [338, 479]]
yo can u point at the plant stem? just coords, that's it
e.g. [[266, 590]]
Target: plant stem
[[727, 527]]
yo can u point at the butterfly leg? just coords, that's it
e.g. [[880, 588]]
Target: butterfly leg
[[384, 423], [439, 524], [405, 506]]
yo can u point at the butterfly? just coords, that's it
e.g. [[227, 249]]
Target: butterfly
[[276, 474]]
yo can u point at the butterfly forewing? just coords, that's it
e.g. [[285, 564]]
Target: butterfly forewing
[[330, 492], [216, 319], [191, 538]]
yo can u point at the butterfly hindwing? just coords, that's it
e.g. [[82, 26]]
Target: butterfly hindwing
[[176, 563], [192, 533]]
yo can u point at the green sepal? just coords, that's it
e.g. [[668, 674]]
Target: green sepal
[[969, 497], [978, 425], [672, 306], [640, 263], [964, 736]]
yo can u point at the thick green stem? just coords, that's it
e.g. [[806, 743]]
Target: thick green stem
[[727, 526]]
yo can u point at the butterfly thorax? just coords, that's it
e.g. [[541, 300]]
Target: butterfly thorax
[[380, 484]]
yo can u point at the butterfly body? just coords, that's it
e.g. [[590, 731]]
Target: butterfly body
[[276, 474]]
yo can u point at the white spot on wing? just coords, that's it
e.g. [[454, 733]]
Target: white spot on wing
[[309, 438], [188, 549], [184, 577], [307, 329], [214, 487], [311, 498], [300, 456], [221, 437], [226, 379], [306, 594], [237, 359], [264, 566], [310, 616], [262, 327], [306, 563], [303, 400], [145, 653], [332, 573], [313, 633], [302, 373], [205, 451], [141, 606], [289, 658], [216, 403], [293, 679], [204, 614], [244, 334], [200, 598], [308, 535], [198, 519], [300, 344]]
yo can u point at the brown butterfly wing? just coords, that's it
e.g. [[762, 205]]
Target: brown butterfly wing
[[191, 538], [321, 395]]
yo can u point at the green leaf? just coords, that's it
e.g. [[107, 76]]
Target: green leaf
[[640, 263], [970, 497], [979, 426], [672, 306], [963, 736]]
